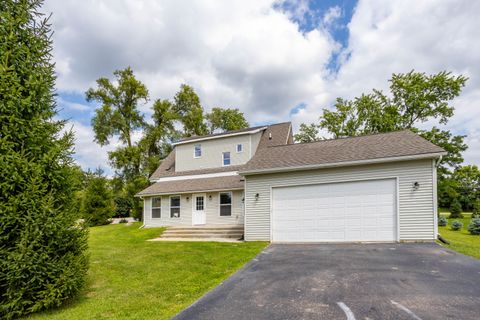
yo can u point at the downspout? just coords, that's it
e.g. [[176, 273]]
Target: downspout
[[143, 220], [439, 237], [438, 161]]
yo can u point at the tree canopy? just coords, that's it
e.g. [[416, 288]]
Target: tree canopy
[[414, 98]]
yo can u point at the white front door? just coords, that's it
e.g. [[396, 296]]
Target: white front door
[[198, 209], [336, 212]]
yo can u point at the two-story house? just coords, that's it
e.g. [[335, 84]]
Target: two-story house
[[368, 188]]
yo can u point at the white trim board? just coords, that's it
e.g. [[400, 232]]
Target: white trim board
[[198, 176]]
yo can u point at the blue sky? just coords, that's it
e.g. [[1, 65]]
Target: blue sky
[[275, 60]]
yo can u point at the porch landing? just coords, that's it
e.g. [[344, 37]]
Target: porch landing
[[220, 233]]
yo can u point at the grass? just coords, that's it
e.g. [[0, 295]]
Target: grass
[[131, 278], [461, 241]]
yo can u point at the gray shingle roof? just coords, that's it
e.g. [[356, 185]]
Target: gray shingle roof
[[194, 185], [335, 151]]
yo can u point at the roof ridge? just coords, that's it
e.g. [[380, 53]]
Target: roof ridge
[[192, 138], [343, 138]]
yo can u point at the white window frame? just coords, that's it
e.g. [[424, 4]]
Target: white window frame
[[195, 150], [241, 147], [179, 206], [220, 203], [229, 159], [152, 207]]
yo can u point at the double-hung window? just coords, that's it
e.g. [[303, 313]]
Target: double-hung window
[[197, 153], [225, 204], [239, 148], [175, 207], [156, 207], [226, 158]]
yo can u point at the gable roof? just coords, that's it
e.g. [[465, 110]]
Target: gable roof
[[344, 151], [280, 133]]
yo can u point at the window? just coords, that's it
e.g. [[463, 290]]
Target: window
[[197, 151], [175, 207], [199, 203], [226, 158], [239, 148], [225, 204], [156, 207]]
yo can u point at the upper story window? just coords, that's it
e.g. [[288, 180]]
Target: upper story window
[[239, 147], [226, 158], [197, 151]]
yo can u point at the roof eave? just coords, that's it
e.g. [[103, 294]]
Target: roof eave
[[185, 192], [344, 164]]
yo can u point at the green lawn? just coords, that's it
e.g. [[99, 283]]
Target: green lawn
[[461, 241], [131, 278]]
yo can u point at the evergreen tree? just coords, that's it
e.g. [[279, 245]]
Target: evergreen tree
[[42, 250], [97, 205]]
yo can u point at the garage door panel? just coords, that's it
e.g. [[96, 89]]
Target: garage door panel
[[353, 211]]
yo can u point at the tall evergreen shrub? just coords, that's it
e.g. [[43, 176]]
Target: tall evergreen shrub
[[42, 250]]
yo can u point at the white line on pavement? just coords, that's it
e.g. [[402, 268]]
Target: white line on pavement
[[348, 312], [398, 305]]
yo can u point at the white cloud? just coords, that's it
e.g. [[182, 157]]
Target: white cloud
[[244, 54], [397, 36], [332, 15], [88, 154], [248, 55], [73, 105]]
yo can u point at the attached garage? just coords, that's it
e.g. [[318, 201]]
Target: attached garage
[[335, 212], [370, 188]]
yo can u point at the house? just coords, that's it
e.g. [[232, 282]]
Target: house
[[378, 187]]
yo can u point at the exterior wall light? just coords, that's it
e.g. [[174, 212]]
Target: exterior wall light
[[257, 196], [210, 197], [416, 185]]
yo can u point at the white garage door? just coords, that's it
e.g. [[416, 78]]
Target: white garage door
[[335, 212]]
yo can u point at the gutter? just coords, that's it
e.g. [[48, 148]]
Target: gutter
[[342, 164]]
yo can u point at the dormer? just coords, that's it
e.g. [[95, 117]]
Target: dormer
[[221, 152], [217, 150]]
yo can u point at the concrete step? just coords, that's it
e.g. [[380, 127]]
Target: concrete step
[[202, 235], [204, 228], [201, 231]]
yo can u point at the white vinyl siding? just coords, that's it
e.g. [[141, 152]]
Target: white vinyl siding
[[416, 207], [211, 152], [211, 206]]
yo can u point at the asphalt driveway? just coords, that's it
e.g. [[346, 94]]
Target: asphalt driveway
[[347, 281]]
